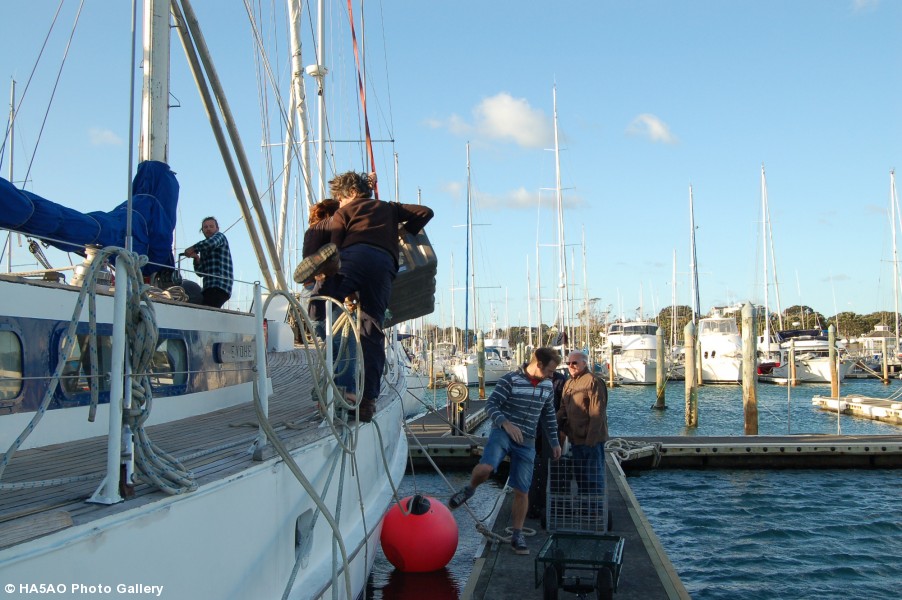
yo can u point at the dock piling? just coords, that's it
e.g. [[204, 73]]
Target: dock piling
[[691, 372], [749, 368], [659, 372]]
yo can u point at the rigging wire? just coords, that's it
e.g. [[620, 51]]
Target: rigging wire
[[53, 91], [30, 77]]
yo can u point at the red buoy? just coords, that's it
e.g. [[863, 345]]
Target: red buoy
[[423, 537]]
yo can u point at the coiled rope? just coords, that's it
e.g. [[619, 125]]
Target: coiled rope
[[154, 465]]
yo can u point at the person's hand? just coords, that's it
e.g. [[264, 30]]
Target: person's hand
[[513, 431], [556, 452], [190, 252]]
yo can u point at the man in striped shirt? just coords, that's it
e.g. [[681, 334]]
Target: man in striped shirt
[[520, 401]]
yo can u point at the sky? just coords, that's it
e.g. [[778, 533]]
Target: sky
[[652, 96]]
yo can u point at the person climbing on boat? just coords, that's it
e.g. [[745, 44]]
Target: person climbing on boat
[[365, 231], [318, 235], [583, 419], [213, 261], [520, 401], [537, 491]]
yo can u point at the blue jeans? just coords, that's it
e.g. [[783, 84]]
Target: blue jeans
[[369, 271], [500, 445], [587, 468]]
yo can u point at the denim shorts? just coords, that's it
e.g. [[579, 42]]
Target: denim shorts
[[500, 445]]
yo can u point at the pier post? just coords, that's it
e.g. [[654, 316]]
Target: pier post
[[659, 372], [749, 370], [885, 363], [431, 354], [610, 365], [834, 371], [793, 381], [691, 372], [480, 363]]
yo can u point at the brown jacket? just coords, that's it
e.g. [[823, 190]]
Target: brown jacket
[[583, 413]]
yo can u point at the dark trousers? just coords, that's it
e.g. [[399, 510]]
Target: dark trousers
[[215, 297], [369, 271]]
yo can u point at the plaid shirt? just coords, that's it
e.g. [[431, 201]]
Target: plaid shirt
[[215, 263]]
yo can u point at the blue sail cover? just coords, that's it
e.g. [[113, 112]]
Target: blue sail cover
[[155, 195]]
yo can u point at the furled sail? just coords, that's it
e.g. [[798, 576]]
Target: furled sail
[[155, 193]]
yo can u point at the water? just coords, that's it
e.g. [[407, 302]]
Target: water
[[730, 534]]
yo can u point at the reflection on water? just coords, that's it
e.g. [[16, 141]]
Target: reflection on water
[[760, 534]]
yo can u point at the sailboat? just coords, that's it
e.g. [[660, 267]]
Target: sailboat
[[151, 443], [465, 369], [719, 343], [807, 349]]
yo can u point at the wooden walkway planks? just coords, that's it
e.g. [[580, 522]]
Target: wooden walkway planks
[[647, 573]]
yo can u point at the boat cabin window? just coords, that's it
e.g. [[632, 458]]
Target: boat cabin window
[[719, 326], [169, 366], [640, 329], [10, 365]]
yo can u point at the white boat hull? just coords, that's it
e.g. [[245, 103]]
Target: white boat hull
[[467, 374], [241, 530]]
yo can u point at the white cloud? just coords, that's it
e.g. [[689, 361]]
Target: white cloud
[[650, 126], [502, 118], [859, 5], [521, 198], [103, 137]]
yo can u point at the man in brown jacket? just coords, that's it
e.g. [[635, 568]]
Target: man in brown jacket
[[582, 418]]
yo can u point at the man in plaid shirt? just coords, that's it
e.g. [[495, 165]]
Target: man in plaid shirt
[[213, 261]]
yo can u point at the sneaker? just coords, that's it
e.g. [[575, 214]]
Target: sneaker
[[519, 544], [460, 496], [315, 263]]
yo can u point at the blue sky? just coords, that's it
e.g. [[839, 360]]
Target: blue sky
[[652, 96]]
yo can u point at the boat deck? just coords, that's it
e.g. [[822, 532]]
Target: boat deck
[[212, 446]]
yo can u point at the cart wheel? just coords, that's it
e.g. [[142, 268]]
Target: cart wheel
[[604, 584], [549, 583]]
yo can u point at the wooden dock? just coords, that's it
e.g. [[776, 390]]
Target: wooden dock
[[876, 409], [811, 451], [433, 436], [647, 574]]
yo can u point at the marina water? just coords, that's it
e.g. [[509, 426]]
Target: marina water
[[730, 534]]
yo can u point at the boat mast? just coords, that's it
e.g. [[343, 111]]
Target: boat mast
[[563, 295], [154, 141], [466, 340], [12, 137], [453, 320], [586, 293], [528, 303], [764, 239], [693, 266], [893, 201]]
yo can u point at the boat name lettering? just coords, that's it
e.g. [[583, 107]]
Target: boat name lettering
[[232, 352]]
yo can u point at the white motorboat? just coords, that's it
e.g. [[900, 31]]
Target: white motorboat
[[634, 345]]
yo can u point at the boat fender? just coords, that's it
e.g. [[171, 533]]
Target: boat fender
[[420, 538]]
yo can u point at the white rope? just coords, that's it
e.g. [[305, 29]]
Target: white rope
[[622, 449]]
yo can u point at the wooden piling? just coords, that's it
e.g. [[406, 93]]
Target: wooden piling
[[611, 365], [834, 373], [793, 380], [691, 372], [431, 355], [480, 363], [885, 362], [749, 370], [659, 372]]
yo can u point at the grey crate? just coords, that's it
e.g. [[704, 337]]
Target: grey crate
[[577, 500]]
